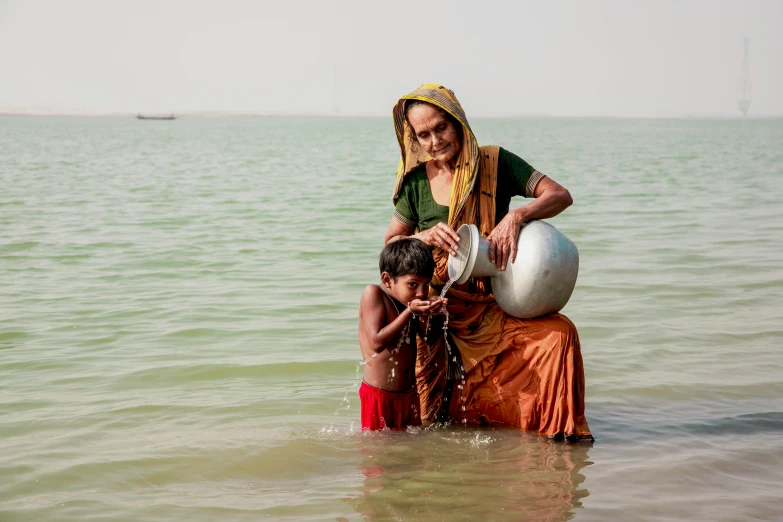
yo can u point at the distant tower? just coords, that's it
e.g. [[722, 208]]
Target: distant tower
[[743, 88]]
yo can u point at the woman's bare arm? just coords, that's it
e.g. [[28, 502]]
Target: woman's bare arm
[[551, 199], [396, 231], [441, 235]]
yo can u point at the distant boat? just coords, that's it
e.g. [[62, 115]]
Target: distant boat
[[143, 117]]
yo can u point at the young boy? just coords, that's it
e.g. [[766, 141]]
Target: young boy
[[390, 315]]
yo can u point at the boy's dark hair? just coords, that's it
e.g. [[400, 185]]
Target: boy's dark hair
[[407, 256]]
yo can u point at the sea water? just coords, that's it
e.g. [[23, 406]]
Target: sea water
[[178, 313]]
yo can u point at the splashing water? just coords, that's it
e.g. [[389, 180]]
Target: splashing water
[[451, 353], [365, 361], [478, 440], [446, 321], [344, 405], [447, 286], [445, 311]]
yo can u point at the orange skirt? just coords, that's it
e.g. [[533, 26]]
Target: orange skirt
[[523, 372]]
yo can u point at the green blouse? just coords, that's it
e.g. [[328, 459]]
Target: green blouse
[[417, 208]]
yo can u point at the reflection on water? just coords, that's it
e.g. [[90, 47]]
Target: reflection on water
[[491, 474]]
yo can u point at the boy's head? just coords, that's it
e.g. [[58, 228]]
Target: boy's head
[[406, 267]]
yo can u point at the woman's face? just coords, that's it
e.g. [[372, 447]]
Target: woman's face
[[434, 132]]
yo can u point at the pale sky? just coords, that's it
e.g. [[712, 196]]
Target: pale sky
[[513, 57]]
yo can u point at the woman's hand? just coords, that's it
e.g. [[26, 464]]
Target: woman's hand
[[441, 236], [503, 240], [551, 199]]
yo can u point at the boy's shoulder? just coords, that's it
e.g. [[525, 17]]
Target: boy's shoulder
[[373, 297], [374, 292]]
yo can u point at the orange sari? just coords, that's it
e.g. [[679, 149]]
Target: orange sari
[[523, 372]]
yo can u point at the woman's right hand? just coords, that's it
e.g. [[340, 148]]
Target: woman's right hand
[[441, 236]]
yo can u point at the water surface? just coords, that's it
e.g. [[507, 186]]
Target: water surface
[[178, 325]]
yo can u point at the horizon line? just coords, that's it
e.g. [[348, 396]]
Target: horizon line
[[220, 113]]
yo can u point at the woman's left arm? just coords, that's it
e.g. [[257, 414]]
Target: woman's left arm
[[551, 199]]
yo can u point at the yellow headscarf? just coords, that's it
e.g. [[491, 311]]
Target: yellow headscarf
[[467, 169], [468, 203]]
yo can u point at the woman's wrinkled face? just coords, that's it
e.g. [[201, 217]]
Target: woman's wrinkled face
[[434, 132]]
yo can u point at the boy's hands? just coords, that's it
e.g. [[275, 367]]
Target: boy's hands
[[429, 306]]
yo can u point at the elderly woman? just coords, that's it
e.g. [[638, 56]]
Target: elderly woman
[[526, 373]]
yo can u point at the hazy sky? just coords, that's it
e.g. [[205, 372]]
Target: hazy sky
[[622, 57]]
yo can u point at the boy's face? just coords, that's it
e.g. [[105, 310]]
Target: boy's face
[[406, 288]]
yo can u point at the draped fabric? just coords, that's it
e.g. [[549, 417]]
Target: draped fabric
[[467, 167], [523, 372]]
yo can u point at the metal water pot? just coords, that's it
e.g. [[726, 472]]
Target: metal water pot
[[539, 281]]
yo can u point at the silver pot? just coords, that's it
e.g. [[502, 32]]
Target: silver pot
[[539, 281]]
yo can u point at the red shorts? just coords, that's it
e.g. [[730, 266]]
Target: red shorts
[[395, 410]]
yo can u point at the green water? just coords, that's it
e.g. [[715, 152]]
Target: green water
[[178, 325]]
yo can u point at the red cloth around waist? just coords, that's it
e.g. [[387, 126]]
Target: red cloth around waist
[[394, 410]]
